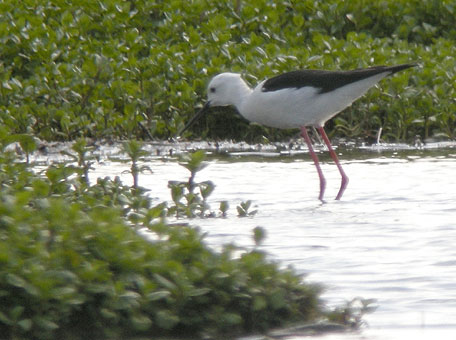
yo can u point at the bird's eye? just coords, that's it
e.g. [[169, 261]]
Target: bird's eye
[[212, 89]]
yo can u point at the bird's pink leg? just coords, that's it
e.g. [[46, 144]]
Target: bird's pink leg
[[315, 159], [344, 182]]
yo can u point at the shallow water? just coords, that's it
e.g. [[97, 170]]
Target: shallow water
[[392, 237]]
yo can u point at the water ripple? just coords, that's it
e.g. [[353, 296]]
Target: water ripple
[[392, 237]]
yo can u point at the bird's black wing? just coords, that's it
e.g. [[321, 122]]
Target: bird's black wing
[[326, 81]]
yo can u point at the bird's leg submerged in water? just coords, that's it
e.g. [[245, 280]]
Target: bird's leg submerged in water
[[306, 137], [344, 182], [314, 157]]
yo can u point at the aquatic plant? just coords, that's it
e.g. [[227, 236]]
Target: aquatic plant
[[224, 206], [259, 235], [187, 201], [243, 209], [27, 143], [190, 197], [83, 157], [134, 150], [353, 311]]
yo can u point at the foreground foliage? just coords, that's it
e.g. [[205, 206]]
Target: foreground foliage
[[123, 69], [73, 265]]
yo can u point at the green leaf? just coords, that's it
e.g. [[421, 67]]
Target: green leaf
[[194, 161], [27, 142], [45, 323], [4, 319], [15, 280], [141, 322], [177, 190], [164, 282], [259, 234], [165, 319], [224, 206], [199, 291], [259, 303], [206, 188], [25, 324], [16, 312], [158, 295], [231, 319], [278, 299]]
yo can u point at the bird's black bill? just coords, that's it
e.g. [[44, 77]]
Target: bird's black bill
[[194, 119]]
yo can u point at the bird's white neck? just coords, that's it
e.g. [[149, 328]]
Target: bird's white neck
[[239, 93]]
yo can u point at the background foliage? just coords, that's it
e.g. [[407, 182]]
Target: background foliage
[[98, 68]]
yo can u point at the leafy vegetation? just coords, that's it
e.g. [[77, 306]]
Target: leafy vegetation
[[73, 265], [244, 209], [188, 202], [124, 69]]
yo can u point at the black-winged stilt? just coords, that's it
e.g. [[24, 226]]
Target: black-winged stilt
[[297, 99]]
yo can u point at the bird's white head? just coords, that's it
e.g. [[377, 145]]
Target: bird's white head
[[223, 90], [227, 89]]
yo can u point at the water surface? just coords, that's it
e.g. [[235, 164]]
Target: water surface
[[392, 237]]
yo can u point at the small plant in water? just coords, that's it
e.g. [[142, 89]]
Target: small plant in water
[[243, 209], [27, 143], [83, 157], [352, 313], [190, 197], [259, 235], [134, 150], [224, 206]]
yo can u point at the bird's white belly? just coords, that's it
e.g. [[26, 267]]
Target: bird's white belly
[[293, 107]]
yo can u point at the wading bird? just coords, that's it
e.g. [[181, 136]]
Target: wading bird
[[297, 99]]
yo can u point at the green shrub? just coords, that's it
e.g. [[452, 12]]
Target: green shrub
[[122, 69], [73, 265]]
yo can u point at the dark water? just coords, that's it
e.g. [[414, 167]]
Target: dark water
[[392, 237]]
